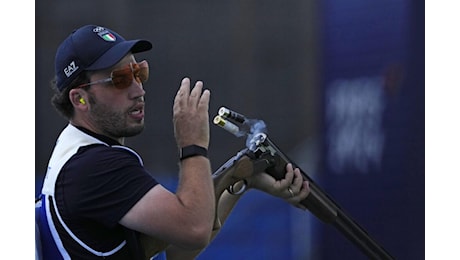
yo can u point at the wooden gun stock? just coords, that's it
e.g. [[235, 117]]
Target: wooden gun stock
[[236, 169]]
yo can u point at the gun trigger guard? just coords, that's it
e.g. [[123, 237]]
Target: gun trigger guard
[[231, 188]]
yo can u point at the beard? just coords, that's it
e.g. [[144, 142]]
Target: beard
[[111, 122]]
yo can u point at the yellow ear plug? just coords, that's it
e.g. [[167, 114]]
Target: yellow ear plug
[[82, 101]]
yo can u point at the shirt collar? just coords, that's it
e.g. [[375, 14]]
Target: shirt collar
[[103, 138]]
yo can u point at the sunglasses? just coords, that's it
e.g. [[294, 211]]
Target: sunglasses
[[122, 78]]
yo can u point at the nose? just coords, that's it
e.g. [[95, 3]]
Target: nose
[[136, 89]]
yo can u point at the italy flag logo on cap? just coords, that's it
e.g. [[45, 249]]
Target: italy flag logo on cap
[[108, 37]]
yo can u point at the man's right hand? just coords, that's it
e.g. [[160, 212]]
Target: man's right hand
[[190, 115]]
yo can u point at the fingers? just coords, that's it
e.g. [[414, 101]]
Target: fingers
[[194, 98], [195, 94], [204, 100], [283, 184], [182, 94], [293, 179], [297, 181], [303, 194], [298, 189], [184, 89], [292, 188], [300, 196], [190, 114]]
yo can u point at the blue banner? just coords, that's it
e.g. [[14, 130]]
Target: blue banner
[[373, 124]]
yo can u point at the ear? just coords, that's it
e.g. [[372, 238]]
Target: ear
[[79, 99]]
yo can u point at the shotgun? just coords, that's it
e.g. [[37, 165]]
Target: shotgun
[[262, 155]]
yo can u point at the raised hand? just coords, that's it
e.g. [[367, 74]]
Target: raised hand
[[190, 115]]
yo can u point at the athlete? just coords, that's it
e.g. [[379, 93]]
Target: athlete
[[98, 200]]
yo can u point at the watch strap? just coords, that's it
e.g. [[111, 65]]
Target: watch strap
[[191, 151]]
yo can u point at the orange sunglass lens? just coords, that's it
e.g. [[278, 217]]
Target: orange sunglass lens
[[141, 70], [122, 81], [123, 78]]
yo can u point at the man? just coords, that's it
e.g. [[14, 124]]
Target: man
[[98, 201]]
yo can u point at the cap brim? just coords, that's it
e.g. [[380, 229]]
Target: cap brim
[[117, 52]]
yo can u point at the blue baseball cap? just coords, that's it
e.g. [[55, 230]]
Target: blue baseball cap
[[92, 47]]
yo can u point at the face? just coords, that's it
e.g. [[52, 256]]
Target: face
[[116, 112]]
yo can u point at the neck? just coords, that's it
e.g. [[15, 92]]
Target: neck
[[94, 131]]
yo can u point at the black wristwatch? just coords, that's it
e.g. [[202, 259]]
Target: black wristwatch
[[192, 150]]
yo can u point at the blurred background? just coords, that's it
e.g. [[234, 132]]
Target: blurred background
[[340, 85]]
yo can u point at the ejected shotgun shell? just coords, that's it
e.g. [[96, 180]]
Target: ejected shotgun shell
[[227, 113], [227, 125]]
